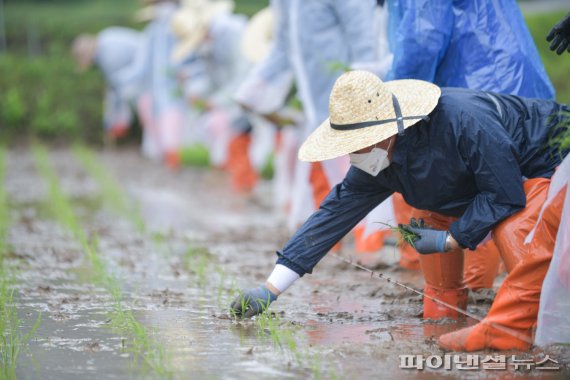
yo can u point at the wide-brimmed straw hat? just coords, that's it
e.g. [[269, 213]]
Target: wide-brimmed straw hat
[[190, 24], [258, 36], [364, 110]]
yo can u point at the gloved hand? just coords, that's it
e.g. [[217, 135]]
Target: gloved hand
[[560, 36], [252, 302], [428, 240]]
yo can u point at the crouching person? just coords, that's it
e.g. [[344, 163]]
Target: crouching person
[[474, 163]]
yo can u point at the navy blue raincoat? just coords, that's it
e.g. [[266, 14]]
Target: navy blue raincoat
[[468, 160]]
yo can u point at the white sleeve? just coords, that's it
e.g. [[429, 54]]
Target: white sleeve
[[282, 277]]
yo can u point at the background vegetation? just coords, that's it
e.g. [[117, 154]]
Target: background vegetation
[[41, 94]]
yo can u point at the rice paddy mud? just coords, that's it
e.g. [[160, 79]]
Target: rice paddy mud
[[113, 267]]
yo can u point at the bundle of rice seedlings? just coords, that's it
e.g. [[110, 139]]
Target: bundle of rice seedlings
[[406, 236]]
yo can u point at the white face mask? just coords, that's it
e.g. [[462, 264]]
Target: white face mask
[[372, 162]]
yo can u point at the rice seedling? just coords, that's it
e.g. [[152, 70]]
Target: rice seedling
[[406, 236], [560, 136], [12, 339], [196, 260], [123, 320], [110, 189]]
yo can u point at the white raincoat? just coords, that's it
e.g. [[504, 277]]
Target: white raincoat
[[116, 50], [313, 38]]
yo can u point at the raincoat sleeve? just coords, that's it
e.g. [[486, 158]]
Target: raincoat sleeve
[[346, 205], [492, 157], [357, 19], [420, 37], [266, 87]]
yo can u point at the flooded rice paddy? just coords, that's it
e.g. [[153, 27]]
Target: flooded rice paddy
[[121, 269]]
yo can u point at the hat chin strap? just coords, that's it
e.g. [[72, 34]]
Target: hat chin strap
[[399, 120]]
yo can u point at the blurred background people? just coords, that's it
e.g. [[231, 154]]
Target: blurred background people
[[475, 45], [111, 51]]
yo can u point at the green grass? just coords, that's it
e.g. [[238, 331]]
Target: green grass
[[140, 344], [12, 339], [196, 155]]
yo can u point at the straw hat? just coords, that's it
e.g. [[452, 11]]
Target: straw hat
[[363, 112], [191, 23], [258, 36]]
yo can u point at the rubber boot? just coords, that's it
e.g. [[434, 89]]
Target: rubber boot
[[321, 188], [370, 243], [454, 297], [443, 273], [118, 131], [242, 174], [482, 266], [409, 257], [513, 315], [172, 159]]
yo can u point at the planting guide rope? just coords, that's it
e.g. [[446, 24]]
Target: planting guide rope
[[506, 330]]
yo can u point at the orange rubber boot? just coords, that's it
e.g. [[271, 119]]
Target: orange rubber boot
[[482, 266], [172, 159], [370, 243], [242, 173], [409, 258], [443, 273], [321, 188], [512, 317]]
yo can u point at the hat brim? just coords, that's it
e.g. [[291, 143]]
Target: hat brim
[[184, 47], [416, 98]]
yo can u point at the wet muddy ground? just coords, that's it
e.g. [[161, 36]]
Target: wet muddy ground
[[178, 253]]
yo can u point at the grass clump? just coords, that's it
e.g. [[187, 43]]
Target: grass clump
[[12, 340]]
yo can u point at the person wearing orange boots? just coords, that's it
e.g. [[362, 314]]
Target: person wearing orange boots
[[474, 163]]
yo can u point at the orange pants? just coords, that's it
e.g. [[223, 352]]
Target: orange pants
[[512, 317], [243, 175]]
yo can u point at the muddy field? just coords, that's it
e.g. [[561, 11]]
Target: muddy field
[[126, 270]]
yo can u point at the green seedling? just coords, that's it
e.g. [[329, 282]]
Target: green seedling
[[11, 337], [111, 190], [406, 236], [141, 345]]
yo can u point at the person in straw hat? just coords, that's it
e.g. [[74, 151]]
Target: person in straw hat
[[459, 53], [481, 158]]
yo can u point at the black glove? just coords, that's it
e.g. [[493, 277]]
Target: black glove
[[560, 36], [429, 240], [252, 302]]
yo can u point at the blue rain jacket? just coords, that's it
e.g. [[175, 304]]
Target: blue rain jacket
[[468, 161], [478, 44]]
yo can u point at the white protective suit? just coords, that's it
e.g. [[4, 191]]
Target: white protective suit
[[160, 105], [116, 50], [312, 37], [213, 72]]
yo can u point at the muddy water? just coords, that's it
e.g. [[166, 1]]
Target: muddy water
[[343, 323]]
